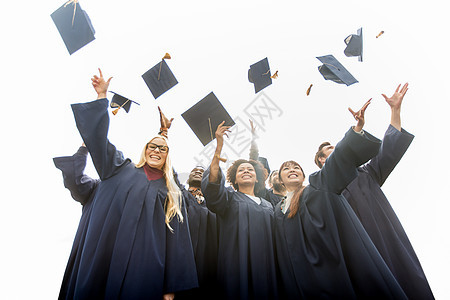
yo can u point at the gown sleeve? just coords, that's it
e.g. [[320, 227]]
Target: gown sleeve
[[341, 166], [217, 196], [394, 145], [92, 121], [80, 185]]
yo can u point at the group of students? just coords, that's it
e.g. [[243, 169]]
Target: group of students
[[143, 235]]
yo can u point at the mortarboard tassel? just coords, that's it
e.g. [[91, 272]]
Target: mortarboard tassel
[[381, 32], [275, 75], [74, 8], [309, 90], [114, 112], [166, 56]]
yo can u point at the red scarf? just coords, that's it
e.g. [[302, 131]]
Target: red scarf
[[152, 173]]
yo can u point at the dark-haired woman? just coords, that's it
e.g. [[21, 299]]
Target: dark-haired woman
[[323, 252], [246, 262]]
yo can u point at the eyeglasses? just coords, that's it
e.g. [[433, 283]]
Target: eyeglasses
[[162, 148]]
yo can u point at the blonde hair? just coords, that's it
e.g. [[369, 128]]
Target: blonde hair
[[172, 204]]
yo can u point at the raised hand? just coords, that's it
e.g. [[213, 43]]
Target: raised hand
[[253, 127], [359, 116], [395, 101], [165, 122], [100, 85], [221, 131]]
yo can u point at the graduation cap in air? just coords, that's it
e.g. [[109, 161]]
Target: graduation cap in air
[[160, 78], [73, 25], [205, 116], [119, 101], [354, 44], [333, 70], [259, 75]]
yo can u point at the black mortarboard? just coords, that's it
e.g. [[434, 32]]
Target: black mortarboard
[[119, 101], [205, 116], [159, 79], [333, 70], [265, 163], [354, 44], [259, 75], [73, 25]]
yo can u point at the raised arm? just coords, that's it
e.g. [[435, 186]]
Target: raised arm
[[92, 121], [72, 167], [356, 148], [215, 168], [254, 151], [395, 102], [395, 142]]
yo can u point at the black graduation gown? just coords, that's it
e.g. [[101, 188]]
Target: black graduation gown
[[203, 230], [128, 251], [323, 252], [82, 189], [379, 219], [273, 198], [246, 262]]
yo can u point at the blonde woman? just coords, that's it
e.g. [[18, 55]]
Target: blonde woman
[[136, 244]]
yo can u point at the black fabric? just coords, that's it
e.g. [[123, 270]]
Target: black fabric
[[127, 250], [246, 262], [323, 252], [373, 209]]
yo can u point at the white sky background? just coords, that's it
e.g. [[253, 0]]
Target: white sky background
[[212, 46]]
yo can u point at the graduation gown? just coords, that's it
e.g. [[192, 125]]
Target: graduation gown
[[323, 252], [246, 263], [128, 252], [203, 230], [379, 219], [82, 188]]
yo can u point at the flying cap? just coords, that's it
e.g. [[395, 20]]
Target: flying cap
[[354, 44], [119, 101], [259, 75], [73, 25], [205, 116], [160, 78], [333, 70]]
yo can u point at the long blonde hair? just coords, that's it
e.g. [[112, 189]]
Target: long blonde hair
[[173, 202]]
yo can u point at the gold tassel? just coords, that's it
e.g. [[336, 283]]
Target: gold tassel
[[114, 112], [381, 32], [166, 56], [309, 90], [275, 75]]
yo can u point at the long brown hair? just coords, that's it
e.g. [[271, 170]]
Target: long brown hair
[[295, 201], [259, 170]]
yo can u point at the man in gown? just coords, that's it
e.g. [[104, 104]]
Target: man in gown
[[203, 230], [373, 209]]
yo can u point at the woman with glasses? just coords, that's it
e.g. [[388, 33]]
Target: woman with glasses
[[323, 251], [245, 260], [137, 243]]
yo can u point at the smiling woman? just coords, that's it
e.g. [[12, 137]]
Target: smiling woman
[[246, 261]]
